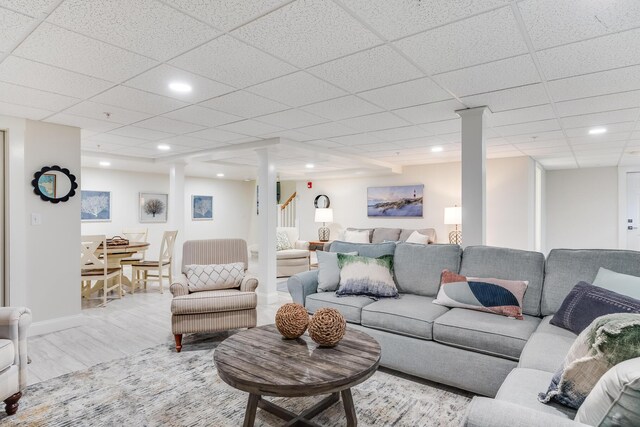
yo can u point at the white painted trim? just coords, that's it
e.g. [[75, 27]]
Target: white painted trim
[[53, 325]]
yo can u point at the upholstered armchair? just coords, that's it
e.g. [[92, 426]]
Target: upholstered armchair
[[211, 311], [14, 322]]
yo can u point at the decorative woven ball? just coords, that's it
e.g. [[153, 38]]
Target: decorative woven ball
[[292, 320], [327, 327]]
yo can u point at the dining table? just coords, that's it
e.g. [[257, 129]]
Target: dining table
[[116, 253]]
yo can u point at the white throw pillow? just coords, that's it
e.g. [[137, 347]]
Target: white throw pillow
[[356, 236], [215, 276], [282, 241], [416, 237]]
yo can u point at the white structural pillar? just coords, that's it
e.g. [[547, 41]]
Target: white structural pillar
[[267, 287], [176, 216], [473, 175]]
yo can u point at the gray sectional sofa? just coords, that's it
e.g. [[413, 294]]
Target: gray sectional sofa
[[491, 355]]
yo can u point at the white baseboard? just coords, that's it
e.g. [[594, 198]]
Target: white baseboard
[[52, 325]]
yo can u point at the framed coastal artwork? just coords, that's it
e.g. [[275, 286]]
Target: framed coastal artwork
[[153, 207], [95, 206], [396, 201], [202, 208]]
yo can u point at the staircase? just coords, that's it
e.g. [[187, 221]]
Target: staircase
[[287, 215]]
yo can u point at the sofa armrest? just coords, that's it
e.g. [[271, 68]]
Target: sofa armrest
[[249, 283], [180, 286], [302, 284], [14, 323], [301, 244], [485, 412]]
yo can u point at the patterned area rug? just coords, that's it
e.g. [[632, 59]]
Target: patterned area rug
[[158, 387]]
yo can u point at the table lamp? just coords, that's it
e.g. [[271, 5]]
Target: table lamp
[[453, 216], [324, 215]]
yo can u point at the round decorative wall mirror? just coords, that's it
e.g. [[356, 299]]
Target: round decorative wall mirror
[[54, 184], [322, 201]]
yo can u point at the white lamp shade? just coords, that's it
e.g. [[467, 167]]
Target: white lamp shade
[[324, 215], [453, 215]]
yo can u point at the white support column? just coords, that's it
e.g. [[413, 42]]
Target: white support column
[[473, 175], [267, 223], [177, 206]]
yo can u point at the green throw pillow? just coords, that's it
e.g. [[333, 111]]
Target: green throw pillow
[[372, 277]]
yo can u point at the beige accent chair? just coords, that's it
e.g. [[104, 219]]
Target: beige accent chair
[[165, 262], [95, 267], [211, 311], [14, 322]]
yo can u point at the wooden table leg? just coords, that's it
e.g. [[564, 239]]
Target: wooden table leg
[[250, 413], [349, 409]]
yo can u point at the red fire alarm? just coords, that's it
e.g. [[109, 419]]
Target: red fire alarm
[[309, 184]]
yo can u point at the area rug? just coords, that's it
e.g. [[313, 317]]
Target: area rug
[[159, 387]]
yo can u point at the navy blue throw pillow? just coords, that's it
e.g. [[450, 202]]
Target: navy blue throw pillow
[[586, 302]]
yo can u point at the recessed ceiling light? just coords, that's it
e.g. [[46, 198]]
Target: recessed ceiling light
[[105, 163], [437, 149], [597, 131], [180, 87], [164, 147], [309, 166], [220, 175], [247, 180]]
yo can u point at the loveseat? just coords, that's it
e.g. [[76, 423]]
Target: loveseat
[[289, 261], [487, 354]]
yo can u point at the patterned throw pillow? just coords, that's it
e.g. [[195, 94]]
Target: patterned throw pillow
[[214, 277], [607, 341], [372, 277], [496, 296], [282, 241], [328, 270]]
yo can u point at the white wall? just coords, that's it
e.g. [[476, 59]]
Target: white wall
[[582, 208]]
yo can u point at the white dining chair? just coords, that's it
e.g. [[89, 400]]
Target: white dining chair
[[164, 263], [95, 267], [135, 235]]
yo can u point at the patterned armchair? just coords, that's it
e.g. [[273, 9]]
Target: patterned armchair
[[14, 322], [210, 311]]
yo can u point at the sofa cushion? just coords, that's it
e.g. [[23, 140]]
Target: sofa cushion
[[213, 302], [350, 307], [7, 354], [508, 264], [522, 387], [406, 232], [418, 267], [566, 267], [546, 327], [382, 234], [371, 250], [292, 253], [370, 230], [545, 352], [410, 315], [484, 332]]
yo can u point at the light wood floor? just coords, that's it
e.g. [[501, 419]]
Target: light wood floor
[[121, 328]]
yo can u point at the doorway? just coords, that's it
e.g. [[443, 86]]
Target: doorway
[[633, 211]]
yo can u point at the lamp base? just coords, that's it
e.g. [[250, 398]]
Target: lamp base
[[455, 237], [323, 234]]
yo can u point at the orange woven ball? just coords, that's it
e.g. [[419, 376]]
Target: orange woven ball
[[327, 327], [292, 320]]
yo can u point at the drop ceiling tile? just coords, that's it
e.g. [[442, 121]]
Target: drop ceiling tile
[[202, 116], [601, 83], [482, 38], [322, 143], [373, 122], [82, 122], [526, 128], [628, 115], [522, 115], [594, 104], [551, 22], [443, 128], [291, 119], [45, 77], [173, 148], [611, 129], [539, 136], [450, 137], [100, 147], [141, 133], [164, 124], [503, 74], [250, 127], [598, 139], [559, 163], [602, 148], [242, 66], [137, 100], [415, 92], [342, 108], [218, 135], [422, 143], [327, 130], [150, 153], [13, 27], [534, 144], [399, 18], [370, 69], [509, 99], [357, 139], [599, 162], [21, 95], [188, 141], [244, 104], [380, 146], [613, 51], [297, 89], [111, 138], [34, 8], [157, 81], [23, 111], [97, 111], [292, 135], [322, 31], [433, 112], [71, 51], [400, 133]]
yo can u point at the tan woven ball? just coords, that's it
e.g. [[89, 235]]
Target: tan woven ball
[[327, 327], [292, 320]]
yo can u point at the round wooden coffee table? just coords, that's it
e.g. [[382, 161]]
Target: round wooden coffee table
[[260, 361]]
